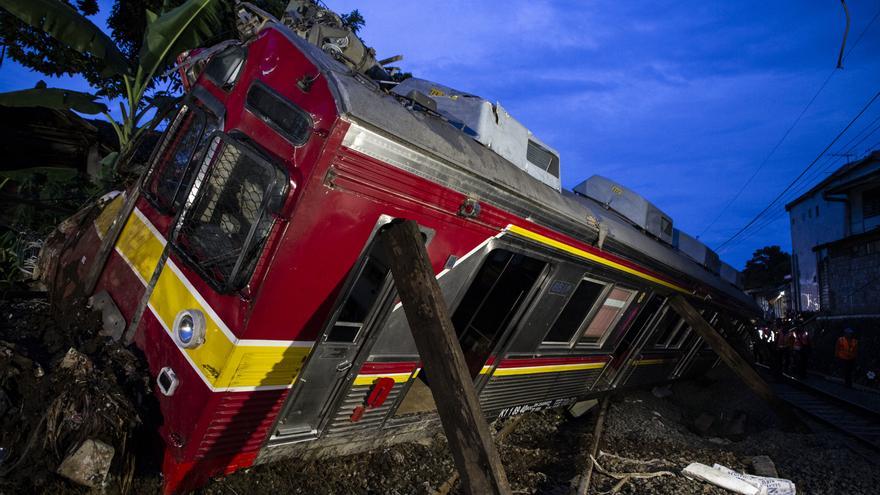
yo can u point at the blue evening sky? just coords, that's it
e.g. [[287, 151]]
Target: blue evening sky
[[680, 101]]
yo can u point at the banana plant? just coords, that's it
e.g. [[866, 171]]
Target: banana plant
[[187, 26]]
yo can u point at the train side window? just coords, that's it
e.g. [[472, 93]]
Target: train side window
[[362, 296], [608, 314], [229, 213], [498, 290], [279, 113], [170, 169], [575, 312], [224, 68]]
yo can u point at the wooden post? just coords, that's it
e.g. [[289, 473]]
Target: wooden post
[[451, 384], [732, 358], [109, 241]]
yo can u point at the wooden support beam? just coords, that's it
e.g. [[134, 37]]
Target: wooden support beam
[[466, 430], [732, 358]]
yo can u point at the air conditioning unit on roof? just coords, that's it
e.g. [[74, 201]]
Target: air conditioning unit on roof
[[491, 125], [635, 208]]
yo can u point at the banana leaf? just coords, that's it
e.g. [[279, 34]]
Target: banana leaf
[[66, 25], [188, 26], [55, 98]]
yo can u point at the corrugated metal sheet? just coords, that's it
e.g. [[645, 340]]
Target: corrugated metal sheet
[[507, 391], [241, 423], [341, 423]]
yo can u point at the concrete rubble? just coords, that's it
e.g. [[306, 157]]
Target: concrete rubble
[[89, 464]]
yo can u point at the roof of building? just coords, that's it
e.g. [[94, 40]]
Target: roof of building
[[851, 167]]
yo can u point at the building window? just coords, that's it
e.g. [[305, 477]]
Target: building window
[[871, 203]]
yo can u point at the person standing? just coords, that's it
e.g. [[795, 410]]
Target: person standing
[[803, 347], [846, 352]]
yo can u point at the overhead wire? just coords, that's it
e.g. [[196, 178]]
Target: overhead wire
[[790, 128], [803, 172]]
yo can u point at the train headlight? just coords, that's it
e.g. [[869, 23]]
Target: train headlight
[[189, 328]]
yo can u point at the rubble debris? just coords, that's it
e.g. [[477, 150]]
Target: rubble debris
[[89, 464], [76, 361], [762, 465]]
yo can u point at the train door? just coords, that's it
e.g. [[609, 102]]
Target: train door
[[366, 299], [631, 350], [483, 319]]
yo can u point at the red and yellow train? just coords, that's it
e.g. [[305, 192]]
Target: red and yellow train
[[249, 274]]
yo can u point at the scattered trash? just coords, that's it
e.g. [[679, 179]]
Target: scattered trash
[[773, 485], [38, 370], [76, 361], [662, 392], [89, 464], [624, 478], [745, 484], [764, 466], [722, 479]]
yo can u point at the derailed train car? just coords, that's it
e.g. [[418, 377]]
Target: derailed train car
[[250, 274]]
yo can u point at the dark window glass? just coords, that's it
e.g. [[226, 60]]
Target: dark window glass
[[575, 311], [498, 290], [362, 297], [223, 68], [224, 229], [171, 169], [282, 115], [666, 327], [871, 203], [651, 307]]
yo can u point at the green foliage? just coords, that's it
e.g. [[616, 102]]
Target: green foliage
[[353, 20], [190, 24], [767, 268], [65, 24], [55, 98]]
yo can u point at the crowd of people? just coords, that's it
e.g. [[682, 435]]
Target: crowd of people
[[786, 347]]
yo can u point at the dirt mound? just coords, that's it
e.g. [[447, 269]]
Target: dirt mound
[[60, 385]]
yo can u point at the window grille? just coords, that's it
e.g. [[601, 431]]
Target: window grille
[[170, 170], [227, 219]]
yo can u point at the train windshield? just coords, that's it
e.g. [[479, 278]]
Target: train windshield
[[171, 170], [227, 219]]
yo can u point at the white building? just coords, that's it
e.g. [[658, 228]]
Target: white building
[[836, 241]]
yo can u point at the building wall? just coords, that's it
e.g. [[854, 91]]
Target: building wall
[[813, 221], [850, 278]]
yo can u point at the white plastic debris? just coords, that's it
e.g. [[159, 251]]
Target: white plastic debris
[[722, 479], [746, 484], [774, 486]]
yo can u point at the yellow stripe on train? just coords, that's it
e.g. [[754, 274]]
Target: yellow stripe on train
[[223, 361], [528, 234], [369, 379], [557, 368]]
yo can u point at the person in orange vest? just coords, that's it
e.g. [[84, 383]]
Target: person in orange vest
[[846, 352]]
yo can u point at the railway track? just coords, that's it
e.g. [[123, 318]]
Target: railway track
[[853, 419]]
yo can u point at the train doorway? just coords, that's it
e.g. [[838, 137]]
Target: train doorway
[[368, 294]]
